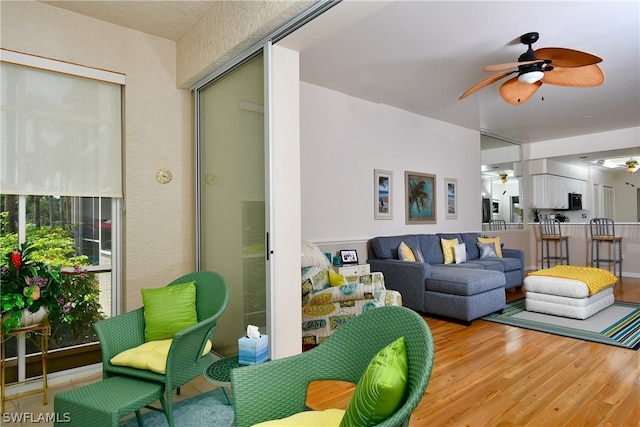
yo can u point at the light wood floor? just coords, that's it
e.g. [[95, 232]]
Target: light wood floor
[[489, 374]]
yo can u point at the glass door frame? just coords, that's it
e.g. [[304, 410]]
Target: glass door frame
[[265, 50]]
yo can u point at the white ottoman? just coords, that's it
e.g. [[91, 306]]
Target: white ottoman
[[564, 297]]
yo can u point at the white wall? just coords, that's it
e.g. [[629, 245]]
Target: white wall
[[592, 143], [343, 139], [625, 196], [284, 295]]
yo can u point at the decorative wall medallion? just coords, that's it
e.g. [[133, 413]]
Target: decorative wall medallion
[[163, 176]]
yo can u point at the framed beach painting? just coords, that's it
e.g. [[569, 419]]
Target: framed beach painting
[[451, 197], [382, 194], [420, 198]]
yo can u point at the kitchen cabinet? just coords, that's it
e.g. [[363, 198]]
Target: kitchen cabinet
[[552, 191]]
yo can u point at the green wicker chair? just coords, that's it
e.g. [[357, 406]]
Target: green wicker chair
[[185, 360], [278, 389]]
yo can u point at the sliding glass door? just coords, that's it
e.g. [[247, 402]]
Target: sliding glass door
[[231, 195]]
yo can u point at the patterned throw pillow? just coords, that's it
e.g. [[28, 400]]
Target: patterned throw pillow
[[381, 389], [405, 253], [447, 249]]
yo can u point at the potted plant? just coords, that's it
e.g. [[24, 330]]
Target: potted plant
[[534, 214], [80, 298], [30, 290]]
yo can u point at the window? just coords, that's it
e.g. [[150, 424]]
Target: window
[[61, 185]]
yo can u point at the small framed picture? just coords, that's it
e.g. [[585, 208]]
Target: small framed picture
[[451, 197], [349, 256], [382, 194], [496, 207]]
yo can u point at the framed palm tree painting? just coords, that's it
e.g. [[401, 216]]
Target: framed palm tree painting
[[420, 198]]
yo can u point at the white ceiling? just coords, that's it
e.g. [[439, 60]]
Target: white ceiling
[[421, 55]]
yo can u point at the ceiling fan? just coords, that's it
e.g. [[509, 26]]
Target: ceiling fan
[[552, 65], [631, 165]]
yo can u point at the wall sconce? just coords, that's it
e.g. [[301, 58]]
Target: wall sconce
[[632, 165], [503, 178]]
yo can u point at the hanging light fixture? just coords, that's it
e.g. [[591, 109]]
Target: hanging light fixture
[[503, 178], [531, 77], [632, 165]]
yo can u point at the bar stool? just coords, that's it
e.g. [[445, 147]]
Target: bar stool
[[550, 232], [497, 224], [603, 231]]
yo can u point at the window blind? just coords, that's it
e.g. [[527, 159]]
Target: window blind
[[61, 134]]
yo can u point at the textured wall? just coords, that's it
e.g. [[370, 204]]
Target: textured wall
[[229, 28], [158, 221]]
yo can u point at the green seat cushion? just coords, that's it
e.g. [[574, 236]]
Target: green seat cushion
[[326, 418], [169, 310], [381, 389]]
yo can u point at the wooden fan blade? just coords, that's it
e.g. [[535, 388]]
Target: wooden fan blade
[[517, 93], [500, 67], [486, 82], [561, 57], [587, 76]]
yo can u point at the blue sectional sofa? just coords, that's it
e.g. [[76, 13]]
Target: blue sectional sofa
[[464, 291]]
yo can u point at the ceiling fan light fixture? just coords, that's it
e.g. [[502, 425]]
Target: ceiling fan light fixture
[[503, 178], [631, 165], [531, 77]]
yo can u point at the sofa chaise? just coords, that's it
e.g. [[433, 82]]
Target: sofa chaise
[[464, 290]]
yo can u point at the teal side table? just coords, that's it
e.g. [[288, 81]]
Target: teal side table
[[219, 373]]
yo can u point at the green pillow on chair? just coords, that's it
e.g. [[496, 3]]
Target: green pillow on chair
[[169, 310], [381, 389]]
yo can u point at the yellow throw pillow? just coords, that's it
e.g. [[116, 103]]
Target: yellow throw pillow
[[447, 249], [150, 356], [495, 241], [336, 279], [405, 253], [326, 418]]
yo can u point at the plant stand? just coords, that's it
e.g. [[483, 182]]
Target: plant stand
[[44, 331]]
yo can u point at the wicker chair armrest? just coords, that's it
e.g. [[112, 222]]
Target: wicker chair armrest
[[120, 333], [187, 351], [266, 394]]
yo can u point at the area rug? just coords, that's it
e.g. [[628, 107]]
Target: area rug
[[206, 409], [617, 325]]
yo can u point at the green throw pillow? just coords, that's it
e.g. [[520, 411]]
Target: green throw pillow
[[169, 310], [381, 389]]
